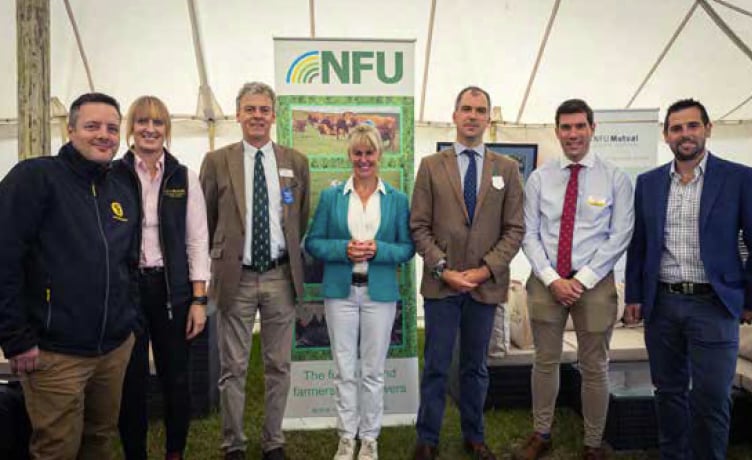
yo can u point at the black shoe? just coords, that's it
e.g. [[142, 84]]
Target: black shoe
[[479, 451], [274, 454]]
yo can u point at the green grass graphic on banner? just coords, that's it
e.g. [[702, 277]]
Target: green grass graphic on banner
[[318, 127]]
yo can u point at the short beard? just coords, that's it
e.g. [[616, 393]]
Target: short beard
[[695, 154]]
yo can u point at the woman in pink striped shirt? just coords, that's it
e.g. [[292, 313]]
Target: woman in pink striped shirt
[[174, 267]]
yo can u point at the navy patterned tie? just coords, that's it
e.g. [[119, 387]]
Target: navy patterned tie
[[260, 251], [470, 184]]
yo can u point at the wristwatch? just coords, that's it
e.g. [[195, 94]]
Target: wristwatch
[[200, 300], [438, 270]]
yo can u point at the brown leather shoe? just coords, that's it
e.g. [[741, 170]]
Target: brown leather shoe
[[594, 453], [173, 456], [235, 455], [479, 451], [426, 452], [534, 448]]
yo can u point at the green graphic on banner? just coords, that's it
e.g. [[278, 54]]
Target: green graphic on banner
[[318, 127]]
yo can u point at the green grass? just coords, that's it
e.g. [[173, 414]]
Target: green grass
[[504, 429], [311, 142]]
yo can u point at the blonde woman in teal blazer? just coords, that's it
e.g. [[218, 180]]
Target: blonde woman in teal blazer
[[361, 233]]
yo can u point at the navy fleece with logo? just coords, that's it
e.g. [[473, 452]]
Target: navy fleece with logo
[[69, 242]]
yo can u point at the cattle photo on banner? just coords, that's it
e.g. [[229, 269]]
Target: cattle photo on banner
[[325, 88]]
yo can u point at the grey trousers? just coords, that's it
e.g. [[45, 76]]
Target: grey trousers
[[271, 294], [593, 315]]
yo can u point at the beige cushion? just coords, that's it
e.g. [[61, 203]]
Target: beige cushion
[[500, 341], [627, 344], [519, 357], [744, 374], [4, 365], [745, 342], [619, 304], [514, 357], [520, 333]]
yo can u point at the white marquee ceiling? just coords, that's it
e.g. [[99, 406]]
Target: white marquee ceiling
[[600, 50]]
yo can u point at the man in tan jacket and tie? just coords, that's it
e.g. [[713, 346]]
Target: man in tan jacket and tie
[[257, 201], [467, 224]]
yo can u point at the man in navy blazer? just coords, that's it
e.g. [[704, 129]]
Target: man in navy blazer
[[686, 278]]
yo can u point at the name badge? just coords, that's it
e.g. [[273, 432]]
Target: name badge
[[286, 172], [497, 182], [596, 201], [287, 197]]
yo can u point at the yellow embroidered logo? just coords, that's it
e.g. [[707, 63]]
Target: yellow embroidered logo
[[174, 192], [117, 211]]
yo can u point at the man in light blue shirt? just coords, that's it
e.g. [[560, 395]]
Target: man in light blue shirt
[[578, 220]]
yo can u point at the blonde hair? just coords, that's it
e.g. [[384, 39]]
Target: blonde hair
[[364, 134], [150, 107]]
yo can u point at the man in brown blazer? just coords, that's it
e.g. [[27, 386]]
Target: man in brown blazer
[[467, 224], [257, 201]]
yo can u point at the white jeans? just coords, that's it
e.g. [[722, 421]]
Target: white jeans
[[360, 392]]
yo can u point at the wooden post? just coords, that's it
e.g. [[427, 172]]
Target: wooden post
[[33, 49]]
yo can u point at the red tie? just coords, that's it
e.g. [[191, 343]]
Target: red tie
[[564, 254]]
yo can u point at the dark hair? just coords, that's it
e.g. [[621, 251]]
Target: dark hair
[[683, 104], [472, 89], [90, 98], [574, 106]]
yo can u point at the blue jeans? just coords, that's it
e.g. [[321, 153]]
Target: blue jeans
[[474, 321], [692, 343]]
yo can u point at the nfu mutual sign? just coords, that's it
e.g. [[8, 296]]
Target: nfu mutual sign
[[345, 67]]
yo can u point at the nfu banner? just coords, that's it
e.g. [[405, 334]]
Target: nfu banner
[[324, 89], [627, 138]]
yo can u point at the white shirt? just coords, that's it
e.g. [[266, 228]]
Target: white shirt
[[276, 235], [363, 221]]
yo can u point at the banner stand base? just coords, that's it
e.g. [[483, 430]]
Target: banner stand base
[[323, 423]]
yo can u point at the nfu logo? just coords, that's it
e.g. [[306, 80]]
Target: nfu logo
[[347, 68]]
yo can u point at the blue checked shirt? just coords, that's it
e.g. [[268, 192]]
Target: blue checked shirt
[[680, 260]]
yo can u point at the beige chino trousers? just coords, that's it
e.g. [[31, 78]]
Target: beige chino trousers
[[271, 294], [593, 315]]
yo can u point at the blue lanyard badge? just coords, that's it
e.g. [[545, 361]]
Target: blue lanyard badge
[[287, 197]]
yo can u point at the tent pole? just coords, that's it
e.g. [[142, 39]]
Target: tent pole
[[80, 44], [538, 58], [212, 134], [429, 44], [663, 53], [33, 54], [312, 17], [208, 109], [734, 7], [739, 106], [726, 29]]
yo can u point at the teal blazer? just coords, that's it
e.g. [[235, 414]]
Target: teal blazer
[[329, 234]]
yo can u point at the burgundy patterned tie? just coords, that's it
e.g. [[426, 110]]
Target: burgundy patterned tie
[[566, 231]]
